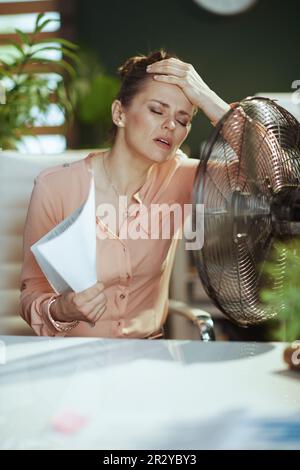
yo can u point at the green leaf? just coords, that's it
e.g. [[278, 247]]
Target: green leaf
[[64, 51], [66, 66], [71, 55], [284, 296], [62, 41], [44, 24], [3, 63], [23, 36], [45, 48], [17, 46], [37, 21]]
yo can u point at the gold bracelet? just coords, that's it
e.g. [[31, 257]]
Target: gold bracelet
[[62, 327]]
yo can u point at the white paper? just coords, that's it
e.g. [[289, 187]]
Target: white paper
[[67, 254]]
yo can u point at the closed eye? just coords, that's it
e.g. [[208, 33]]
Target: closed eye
[[184, 124], [156, 112]]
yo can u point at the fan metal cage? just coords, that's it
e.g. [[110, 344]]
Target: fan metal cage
[[248, 179]]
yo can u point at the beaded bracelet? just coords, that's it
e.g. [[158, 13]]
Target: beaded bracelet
[[62, 327]]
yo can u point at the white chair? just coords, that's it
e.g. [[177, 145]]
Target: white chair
[[17, 173]]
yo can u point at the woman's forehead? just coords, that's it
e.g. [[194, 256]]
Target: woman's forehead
[[167, 93]]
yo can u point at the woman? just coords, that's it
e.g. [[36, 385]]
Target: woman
[[152, 117]]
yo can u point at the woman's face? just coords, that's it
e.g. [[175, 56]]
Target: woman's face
[[157, 121]]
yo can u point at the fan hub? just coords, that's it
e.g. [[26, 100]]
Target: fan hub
[[246, 208]]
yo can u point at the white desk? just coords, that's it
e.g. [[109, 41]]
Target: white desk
[[136, 394]]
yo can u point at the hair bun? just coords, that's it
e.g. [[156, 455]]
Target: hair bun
[[137, 64], [129, 65]]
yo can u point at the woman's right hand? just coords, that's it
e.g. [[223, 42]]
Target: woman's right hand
[[87, 305]]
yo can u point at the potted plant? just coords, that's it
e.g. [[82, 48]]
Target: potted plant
[[93, 91], [286, 299], [26, 89]]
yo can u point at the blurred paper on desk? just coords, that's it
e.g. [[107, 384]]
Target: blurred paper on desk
[[67, 254]]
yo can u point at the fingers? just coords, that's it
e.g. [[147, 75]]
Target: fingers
[[89, 294], [171, 62], [92, 315], [99, 314], [92, 310], [94, 304], [172, 71], [168, 79], [180, 82], [169, 70], [96, 313], [170, 66]]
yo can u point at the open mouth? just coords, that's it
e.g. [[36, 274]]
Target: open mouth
[[163, 143]]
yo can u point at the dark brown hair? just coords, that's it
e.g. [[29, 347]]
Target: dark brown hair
[[133, 76]]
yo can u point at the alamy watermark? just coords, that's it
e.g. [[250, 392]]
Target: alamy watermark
[[158, 221], [296, 93]]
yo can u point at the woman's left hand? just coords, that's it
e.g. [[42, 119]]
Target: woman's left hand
[[179, 73]]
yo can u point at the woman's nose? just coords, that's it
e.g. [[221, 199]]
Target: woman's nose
[[170, 123]]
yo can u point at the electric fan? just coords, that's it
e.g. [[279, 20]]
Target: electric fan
[[248, 179]]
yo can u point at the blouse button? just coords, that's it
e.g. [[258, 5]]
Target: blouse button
[[122, 296]]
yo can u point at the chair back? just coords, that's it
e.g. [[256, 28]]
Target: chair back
[[17, 174]]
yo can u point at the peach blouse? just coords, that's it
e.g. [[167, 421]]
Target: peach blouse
[[135, 272]]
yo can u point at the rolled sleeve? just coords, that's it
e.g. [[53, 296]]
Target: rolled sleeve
[[35, 289]]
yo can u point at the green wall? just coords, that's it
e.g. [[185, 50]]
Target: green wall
[[237, 56]]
